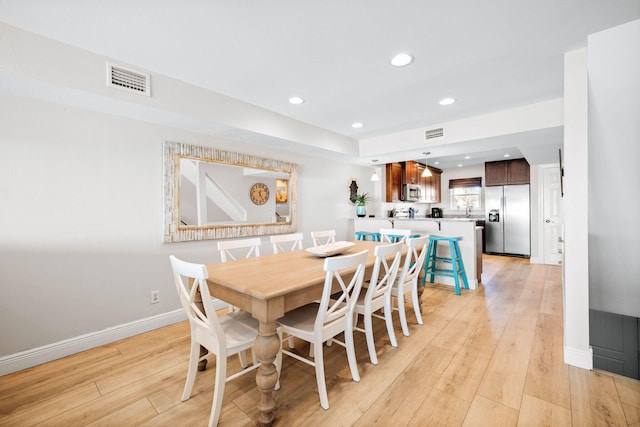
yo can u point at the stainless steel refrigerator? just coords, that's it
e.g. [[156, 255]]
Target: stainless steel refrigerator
[[507, 222]]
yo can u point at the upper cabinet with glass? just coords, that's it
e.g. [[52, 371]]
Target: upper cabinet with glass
[[211, 194]]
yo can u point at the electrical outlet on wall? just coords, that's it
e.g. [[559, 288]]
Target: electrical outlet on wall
[[155, 297]]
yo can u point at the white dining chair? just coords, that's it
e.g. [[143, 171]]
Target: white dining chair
[[239, 248], [322, 321], [408, 279], [230, 250], [223, 336], [378, 295], [394, 235], [286, 242], [323, 237]]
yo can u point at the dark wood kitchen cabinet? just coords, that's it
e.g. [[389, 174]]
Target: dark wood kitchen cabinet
[[398, 174], [506, 172], [518, 172], [431, 185], [394, 173], [435, 189], [412, 173], [495, 173], [424, 182]]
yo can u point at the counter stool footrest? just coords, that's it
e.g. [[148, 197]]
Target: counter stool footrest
[[441, 259], [441, 272]]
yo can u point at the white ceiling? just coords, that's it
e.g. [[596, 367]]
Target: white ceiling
[[490, 55]]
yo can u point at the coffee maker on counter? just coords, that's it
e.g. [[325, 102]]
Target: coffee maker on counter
[[436, 212]]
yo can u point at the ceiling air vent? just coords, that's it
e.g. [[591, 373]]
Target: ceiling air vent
[[433, 133], [128, 79]]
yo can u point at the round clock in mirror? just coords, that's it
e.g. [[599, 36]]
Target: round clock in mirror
[[259, 193]]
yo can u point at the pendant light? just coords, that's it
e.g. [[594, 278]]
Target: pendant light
[[375, 176], [426, 172]]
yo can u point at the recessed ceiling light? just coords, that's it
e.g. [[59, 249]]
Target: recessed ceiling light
[[447, 101], [507, 155], [459, 166], [296, 100], [401, 60], [436, 163], [467, 157], [357, 125]]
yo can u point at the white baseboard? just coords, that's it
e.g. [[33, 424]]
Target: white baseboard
[[47, 353], [536, 260], [579, 358]]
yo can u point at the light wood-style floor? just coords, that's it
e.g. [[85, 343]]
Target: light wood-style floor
[[491, 357]]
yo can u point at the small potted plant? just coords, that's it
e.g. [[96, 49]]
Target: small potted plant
[[361, 201]]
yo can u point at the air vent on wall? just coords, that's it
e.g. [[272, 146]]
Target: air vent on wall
[[128, 79], [434, 133]]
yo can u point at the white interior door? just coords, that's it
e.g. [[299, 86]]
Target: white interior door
[[552, 218]]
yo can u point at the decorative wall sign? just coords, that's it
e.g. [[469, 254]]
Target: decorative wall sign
[[353, 190], [282, 190]]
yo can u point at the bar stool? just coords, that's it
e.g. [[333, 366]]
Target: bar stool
[[457, 266], [365, 235], [396, 238]]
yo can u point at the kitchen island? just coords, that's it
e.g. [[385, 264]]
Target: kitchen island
[[446, 227]]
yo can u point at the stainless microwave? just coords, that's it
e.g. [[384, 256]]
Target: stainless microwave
[[412, 192]]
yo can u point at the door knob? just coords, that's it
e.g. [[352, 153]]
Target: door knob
[[548, 221]]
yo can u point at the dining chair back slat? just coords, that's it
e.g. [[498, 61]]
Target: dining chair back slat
[[230, 250], [378, 295], [394, 235], [321, 321], [408, 279], [286, 242], [336, 304], [323, 237]]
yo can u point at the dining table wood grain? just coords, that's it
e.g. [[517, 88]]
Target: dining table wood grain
[[268, 286]]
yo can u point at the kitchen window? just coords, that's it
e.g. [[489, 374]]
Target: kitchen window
[[465, 194]]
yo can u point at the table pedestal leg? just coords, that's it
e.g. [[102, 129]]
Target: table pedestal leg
[[420, 289], [202, 365], [266, 347]]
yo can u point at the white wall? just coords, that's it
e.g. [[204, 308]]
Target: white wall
[[614, 150], [81, 190], [543, 115], [583, 115], [41, 68], [81, 247], [577, 351], [535, 198]]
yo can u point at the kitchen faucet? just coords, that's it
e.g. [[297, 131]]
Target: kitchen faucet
[[468, 210]]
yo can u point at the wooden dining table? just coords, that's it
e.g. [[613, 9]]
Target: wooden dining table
[[269, 286]]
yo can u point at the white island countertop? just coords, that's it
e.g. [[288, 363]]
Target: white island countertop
[[394, 219], [446, 227], [456, 218]]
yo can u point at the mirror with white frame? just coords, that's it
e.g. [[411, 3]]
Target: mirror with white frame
[[211, 193]]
